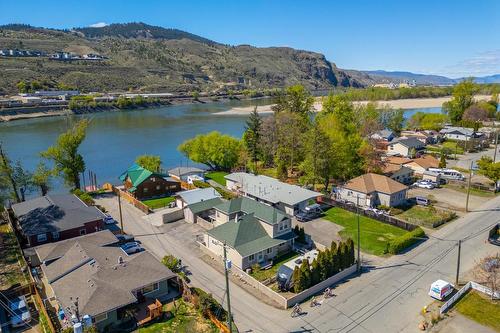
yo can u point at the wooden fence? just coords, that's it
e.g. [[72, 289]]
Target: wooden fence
[[41, 308], [379, 217], [128, 197]]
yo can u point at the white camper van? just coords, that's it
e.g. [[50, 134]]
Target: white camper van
[[440, 289]]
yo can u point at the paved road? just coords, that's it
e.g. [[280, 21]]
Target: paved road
[[387, 298], [463, 161]]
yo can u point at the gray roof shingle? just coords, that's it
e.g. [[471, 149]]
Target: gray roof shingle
[[270, 189], [88, 267], [263, 212], [52, 213]]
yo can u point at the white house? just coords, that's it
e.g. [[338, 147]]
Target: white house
[[289, 198], [405, 146], [183, 173]]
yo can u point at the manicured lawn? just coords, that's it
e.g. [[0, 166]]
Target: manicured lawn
[[262, 275], [10, 259], [374, 234], [217, 176], [480, 309], [425, 216], [186, 320], [453, 146], [158, 203]]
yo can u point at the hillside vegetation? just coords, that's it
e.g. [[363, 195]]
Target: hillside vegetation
[[148, 58]]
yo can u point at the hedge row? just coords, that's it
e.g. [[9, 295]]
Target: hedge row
[[400, 243]]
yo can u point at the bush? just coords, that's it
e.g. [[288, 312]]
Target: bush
[[383, 207], [225, 194], [84, 196], [172, 263], [400, 243], [201, 184]]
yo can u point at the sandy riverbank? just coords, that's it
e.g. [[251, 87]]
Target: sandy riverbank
[[410, 103]]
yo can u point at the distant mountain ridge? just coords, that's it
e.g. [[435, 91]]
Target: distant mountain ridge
[[381, 76], [150, 58], [139, 30]]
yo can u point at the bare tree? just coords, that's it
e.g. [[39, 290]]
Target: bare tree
[[487, 271]]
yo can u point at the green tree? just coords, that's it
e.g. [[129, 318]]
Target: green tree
[[68, 162], [24, 180], [392, 119], [298, 282], [42, 177], [462, 98], [290, 139], [149, 162], [217, 151], [340, 122], [315, 272], [305, 272], [7, 174], [318, 163], [323, 265], [171, 263], [251, 137], [350, 247], [295, 99], [442, 160], [489, 169]]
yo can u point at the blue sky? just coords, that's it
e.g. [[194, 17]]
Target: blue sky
[[454, 38]]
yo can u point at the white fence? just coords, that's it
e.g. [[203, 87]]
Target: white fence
[[465, 289]]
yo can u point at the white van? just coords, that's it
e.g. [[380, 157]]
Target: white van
[[440, 289]]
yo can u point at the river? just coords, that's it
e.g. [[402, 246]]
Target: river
[[115, 138]]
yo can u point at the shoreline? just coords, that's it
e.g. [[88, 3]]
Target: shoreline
[[409, 103]]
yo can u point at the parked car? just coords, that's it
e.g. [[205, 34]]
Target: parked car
[[494, 235], [109, 220], [132, 247], [423, 184], [440, 289], [20, 312]]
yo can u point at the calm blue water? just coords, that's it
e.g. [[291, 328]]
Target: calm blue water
[[116, 138]]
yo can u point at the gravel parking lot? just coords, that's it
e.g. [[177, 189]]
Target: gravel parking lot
[[448, 198]]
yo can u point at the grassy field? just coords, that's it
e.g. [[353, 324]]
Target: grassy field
[[158, 203], [473, 191], [480, 309], [10, 255], [374, 234], [217, 176], [425, 216], [186, 320], [262, 275]]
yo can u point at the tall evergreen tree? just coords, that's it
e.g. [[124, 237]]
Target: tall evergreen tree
[[251, 137], [7, 172], [352, 256], [297, 280], [315, 272], [305, 272], [323, 265]]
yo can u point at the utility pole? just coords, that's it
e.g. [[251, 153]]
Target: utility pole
[[120, 209], [496, 146], [458, 262], [226, 273], [357, 214], [468, 187]]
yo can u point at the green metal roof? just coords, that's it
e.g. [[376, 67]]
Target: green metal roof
[[137, 175], [263, 212], [204, 205], [247, 236]]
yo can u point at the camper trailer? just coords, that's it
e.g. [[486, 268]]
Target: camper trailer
[[285, 272]]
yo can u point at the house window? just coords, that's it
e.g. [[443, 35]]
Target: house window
[[145, 189], [150, 288], [251, 257], [285, 226], [100, 317], [83, 232], [269, 250], [153, 179], [158, 187], [281, 226], [55, 235], [41, 237]]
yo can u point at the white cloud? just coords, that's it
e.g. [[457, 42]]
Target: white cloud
[[98, 25], [485, 63]]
